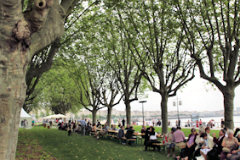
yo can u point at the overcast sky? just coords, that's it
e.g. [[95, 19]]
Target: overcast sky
[[198, 95]]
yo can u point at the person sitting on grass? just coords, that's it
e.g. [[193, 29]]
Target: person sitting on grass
[[129, 134], [229, 144], [170, 144]]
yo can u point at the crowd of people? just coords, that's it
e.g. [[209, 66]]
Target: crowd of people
[[202, 143], [198, 143]]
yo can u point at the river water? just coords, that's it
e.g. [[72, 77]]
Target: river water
[[205, 120]]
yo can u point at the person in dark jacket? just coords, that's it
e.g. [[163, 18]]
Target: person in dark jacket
[[143, 130], [217, 148], [150, 138], [218, 141], [121, 134], [123, 122], [129, 134]]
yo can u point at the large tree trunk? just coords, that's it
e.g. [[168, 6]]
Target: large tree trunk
[[94, 116], [164, 109], [13, 59], [12, 94], [20, 38], [128, 112], [109, 116], [228, 96]]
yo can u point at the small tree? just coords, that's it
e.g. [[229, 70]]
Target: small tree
[[108, 94]]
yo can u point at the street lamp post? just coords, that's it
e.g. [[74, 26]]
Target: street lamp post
[[178, 103], [143, 109]]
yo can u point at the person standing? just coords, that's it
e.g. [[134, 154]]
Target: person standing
[[69, 129], [197, 123], [83, 126], [179, 123], [200, 122], [123, 122], [222, 123]]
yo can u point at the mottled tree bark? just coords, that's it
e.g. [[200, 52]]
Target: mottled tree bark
[[21, 36], [13, 59], [109, 116], [94, 116], [228, 95], [12, 94], [164, 110], [128, 112]]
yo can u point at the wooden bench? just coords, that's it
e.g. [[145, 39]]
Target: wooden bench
[[131, 140], [160, 145]]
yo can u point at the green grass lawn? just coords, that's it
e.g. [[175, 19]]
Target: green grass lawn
[[185, 130], [48, 144], [57, 144]]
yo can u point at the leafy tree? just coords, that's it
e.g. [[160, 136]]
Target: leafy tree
[[98, 40], [156, 42], [88, 81], [108, 93], [117, 55], [56, 90], [42, 60], [23, 34], [212, 29]]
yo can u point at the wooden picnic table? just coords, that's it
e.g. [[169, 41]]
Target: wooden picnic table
[[138, 134], [112, 131]]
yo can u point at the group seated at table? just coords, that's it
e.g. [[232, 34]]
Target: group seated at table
[[210, 147]]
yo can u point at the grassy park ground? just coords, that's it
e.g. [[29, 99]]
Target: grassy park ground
[[51, 144]]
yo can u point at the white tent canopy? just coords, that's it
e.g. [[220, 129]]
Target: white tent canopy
[[25, 119], [55, 116], [24, 114]]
